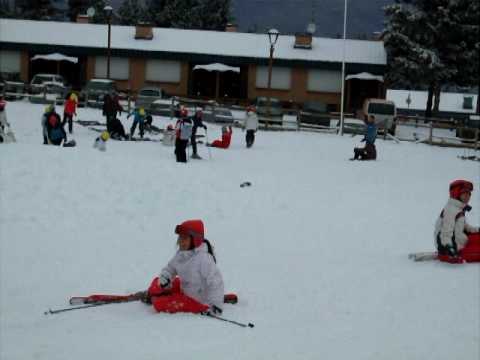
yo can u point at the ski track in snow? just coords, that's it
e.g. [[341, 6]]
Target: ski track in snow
[[316, 248]]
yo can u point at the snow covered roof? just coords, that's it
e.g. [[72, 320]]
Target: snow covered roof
[[217, 67], [230, 44], [365, 76], [451, 102], [55, 57]]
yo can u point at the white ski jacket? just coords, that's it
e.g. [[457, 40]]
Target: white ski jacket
[[251, 121], [200, 276], [450, 227]]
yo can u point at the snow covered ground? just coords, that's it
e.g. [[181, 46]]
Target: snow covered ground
[[316, 248]]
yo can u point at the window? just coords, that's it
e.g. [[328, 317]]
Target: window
[[324, 81], [9, 61], [163, 71], [119, 69], [281, 77]]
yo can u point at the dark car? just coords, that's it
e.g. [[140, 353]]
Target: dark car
[[95, 90], [315, 113], [262, 106], [147, 95]]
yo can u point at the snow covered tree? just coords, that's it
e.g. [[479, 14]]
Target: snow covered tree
[[432, 43], [76, 7], [215, 14], [183, 14], [98, 5], [196, 14], [155, 11], [35, 9], [131, 13]]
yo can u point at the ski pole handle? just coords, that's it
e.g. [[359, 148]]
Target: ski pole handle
[[250, 325], [51, 312]]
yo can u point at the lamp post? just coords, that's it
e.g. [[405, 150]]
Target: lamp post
[[108, 13], [343, 69], [272, 38]]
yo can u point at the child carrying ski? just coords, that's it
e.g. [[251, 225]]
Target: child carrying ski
[[224, 143], [455, 239], [191, 281]]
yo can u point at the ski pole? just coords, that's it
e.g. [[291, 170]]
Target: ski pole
[[208, 147], [250, 325], [50, 311]]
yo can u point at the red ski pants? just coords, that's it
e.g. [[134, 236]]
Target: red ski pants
[[172, 300]]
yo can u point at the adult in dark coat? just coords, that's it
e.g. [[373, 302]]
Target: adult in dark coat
[[197, 120]]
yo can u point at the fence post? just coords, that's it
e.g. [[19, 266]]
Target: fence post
[[430, 136], [476, 139]]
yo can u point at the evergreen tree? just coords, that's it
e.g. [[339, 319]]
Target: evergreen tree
[[183, 14], [99, 17], [131, 13], [155, 12], [5, 10], [215, 14], [35, 9], [76, 7], [432, 42]]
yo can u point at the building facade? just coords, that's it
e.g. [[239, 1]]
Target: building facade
[[304, 68]]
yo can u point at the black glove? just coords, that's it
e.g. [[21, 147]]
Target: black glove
[[164, 281], [205, 127], [213, 310], [144, 297], [451, 250]]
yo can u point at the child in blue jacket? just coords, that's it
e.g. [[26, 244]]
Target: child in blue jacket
[[138, 118], [369, 152]]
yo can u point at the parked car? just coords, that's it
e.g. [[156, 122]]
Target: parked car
[[315, 113], [469, 128], [163, 107], [17, 87], [385, 113], [95, 90], [48, 88], [223, 115], [147, 95], [352, 126], [261, 103]]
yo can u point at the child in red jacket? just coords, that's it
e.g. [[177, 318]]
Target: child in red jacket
[[70, 110], [226, 138]]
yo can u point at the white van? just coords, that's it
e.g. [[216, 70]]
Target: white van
[[385, 113]]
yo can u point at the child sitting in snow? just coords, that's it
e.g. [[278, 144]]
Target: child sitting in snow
[[224, 143], [193, 267], [54, 129], [369, 151], [455, 239], [101, 141], [169, 135]]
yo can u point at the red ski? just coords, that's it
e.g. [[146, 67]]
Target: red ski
[[230, 298]]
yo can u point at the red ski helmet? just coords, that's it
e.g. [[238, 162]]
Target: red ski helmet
[[194, 228], [458, 187]]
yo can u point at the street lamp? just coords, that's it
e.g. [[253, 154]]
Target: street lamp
[[108, 13], [343, 69], [272, 38]]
